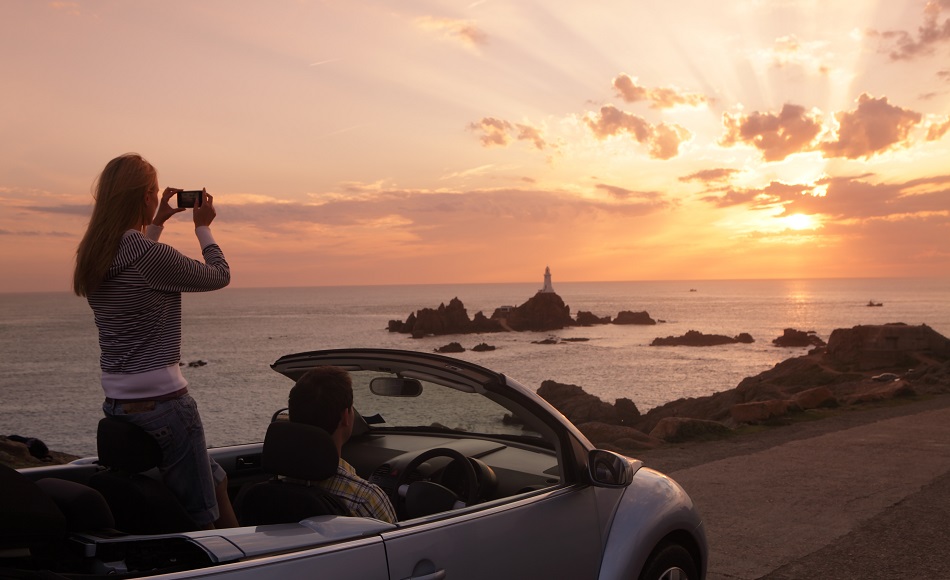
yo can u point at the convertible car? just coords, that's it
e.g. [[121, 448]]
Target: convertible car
[[488, 481]]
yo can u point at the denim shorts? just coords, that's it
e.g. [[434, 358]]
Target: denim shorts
[[186, 467]]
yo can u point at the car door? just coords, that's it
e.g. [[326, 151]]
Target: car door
[[555, 534]]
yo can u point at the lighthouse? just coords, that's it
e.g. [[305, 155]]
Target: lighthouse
[[547, 289]]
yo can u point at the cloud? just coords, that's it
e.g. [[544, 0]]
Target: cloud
[[659, 98], [874, 127], [937, 129], [460, 30], [501, 132], [717, 175], [790, 51], [793, 130], [933, 31], [848, 199], [663, 140]]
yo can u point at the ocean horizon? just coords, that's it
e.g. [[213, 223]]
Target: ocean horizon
[[49, 373]]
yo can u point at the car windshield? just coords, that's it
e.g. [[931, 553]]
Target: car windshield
[[436, 407]]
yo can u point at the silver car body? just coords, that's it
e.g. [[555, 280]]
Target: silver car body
[[562, 509]]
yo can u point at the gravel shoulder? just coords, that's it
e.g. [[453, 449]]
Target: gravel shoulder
[[861, 492]]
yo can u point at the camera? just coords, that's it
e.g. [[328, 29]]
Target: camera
[[190, 198]]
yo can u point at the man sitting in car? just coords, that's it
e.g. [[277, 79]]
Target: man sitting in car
[[323, 397]]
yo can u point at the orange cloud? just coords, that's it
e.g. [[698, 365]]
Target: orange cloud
[[793, 130], [710, 175], [663, 140], [874, 127], [500, 132], [936, 130], [933, 31], [659, 98]]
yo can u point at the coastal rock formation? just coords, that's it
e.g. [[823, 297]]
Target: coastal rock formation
[[451, 319], [542, 312], [794, 338], [585, 318], [483, 347], [696, 338], [627, 317], [839, 374]]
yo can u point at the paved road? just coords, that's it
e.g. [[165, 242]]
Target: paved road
[[868, 501]]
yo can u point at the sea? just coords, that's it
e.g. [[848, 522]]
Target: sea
[[49, 372]]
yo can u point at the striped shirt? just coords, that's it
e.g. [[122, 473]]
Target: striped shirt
[[362, 498], [138, 311]]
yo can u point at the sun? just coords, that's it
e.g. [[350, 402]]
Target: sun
[[800, 221]]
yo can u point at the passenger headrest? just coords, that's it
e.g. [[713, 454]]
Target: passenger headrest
[[299, 451], [126, 446]]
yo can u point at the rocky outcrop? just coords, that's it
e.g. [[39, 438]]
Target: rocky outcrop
[[696, 338], [795, 338], [542, 312], [628, 317], [585, 318], [483, 347], [822, 378], [451, 319], [450, 348]]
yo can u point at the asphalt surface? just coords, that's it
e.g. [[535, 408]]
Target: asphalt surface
[[860, 495]]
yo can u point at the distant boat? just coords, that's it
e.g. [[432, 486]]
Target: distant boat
[[873, 303]]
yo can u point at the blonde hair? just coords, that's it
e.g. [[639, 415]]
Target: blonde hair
[[120, 192]]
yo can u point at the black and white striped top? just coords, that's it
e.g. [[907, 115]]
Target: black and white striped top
[[138, 311]]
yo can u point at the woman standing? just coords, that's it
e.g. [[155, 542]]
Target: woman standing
[[133, 284]]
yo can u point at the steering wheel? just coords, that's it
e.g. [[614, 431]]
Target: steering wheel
[[428, 497]]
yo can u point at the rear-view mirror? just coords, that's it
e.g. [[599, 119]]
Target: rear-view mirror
[[395, 387]]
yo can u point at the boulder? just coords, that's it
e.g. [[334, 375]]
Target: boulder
[[885, 346], [627, 411], [891, 390], [577, 405], [815, 398], [795, 338], [628, 317], [759, 411], [678, 429], [617, 437], [482, 347]]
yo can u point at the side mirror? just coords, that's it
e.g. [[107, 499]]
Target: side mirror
[[395, 387], [609, 469]]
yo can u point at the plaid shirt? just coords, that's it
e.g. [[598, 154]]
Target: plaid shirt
[[362, 498]]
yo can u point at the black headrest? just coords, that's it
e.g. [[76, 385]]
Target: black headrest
[[126, 446], [299, 451]]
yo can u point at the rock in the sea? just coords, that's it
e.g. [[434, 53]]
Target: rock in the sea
[[585, 318], [542, 312], [482, 347], [450, 347], [628, 317], [451, 319], [795, 338], [696, 338]]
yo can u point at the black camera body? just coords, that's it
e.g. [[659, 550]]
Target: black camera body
[[190, 198]]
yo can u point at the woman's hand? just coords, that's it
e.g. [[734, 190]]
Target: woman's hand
[[166, 211], [204, 214]]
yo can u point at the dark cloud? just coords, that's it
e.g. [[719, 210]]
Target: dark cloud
[[793, 130], [935, 30], [874, 127], [663, 140], [659, 98]]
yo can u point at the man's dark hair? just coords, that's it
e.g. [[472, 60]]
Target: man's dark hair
[[320, 397]]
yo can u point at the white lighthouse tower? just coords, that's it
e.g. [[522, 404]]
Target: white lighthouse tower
[[547, 289]]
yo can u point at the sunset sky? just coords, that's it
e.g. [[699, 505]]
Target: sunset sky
[[413, 142]]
